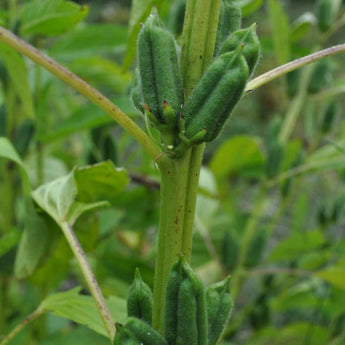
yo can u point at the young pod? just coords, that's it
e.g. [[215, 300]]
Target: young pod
[[219, 304], [216, 95], [159, 69], [329, 116], [124, 336], [144, 333], [325, 14], [256, 249], [251, 45], [139, 301], [185, 309], [229, 250], [229, 21], [321, 76]]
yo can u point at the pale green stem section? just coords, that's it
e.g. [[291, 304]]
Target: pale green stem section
[[89, 278], [174, 177], [192, 192], [281, 70], [34, 315], [84, 88]]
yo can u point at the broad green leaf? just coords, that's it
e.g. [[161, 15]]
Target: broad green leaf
[[334, 275], [237, 155], [18, 73], [82, 309], [37, 240], [100, 181], [140, 9], [280, 29], [250, 6], [302, 26], [7, 151], [90, 40], [89, 183], [296, 244], [50, 17]]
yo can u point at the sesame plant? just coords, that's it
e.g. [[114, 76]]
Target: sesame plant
[[187, 80]]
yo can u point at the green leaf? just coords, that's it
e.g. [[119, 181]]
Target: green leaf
[[90, 183], [237, 155], [7, 151], [38, 238], [302, 26], [250, 6], [82, 309], [281, 30], [334, 275], [50, 17], [18, 73], [90, 40], [140, 9], [8, 241], [296, 244]]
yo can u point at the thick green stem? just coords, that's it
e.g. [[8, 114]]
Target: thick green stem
[[174, 179]]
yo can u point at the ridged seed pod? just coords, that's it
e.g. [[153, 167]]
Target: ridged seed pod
[[185, 309], [124, 336], [139, 301], [251, 45], [219, 304], [216, 95], [229, 21], [159, 69], [325, 14]]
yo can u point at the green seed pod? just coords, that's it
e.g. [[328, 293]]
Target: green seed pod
[[325, 14], [251, 45], [219, 304], [216, 95], [159, 69], [124, 336], [321, 76], [293, 80], [229, 21], [139, 301], [185, 308], [256, 249], [329, 116], [136, 94], [144, 333]]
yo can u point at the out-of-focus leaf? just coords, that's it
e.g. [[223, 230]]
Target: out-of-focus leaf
[[18, 73], [280, 30], [237, 155], [82, 309], [101, 72], [140, 9], [8, 241], [334, 275], [7, 151], [90, 40], [302, 26], [297, 244], [39, 236], [250, 6], [50, 17]]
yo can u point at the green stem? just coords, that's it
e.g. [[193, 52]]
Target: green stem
[[34, 315], [281, 70], [174, 178], [84, 88], [89, 278]]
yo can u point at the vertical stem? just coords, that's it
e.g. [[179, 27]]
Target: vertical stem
[[174, 178], [90, 279]]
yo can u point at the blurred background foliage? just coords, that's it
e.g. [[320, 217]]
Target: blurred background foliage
[[271, 197]]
